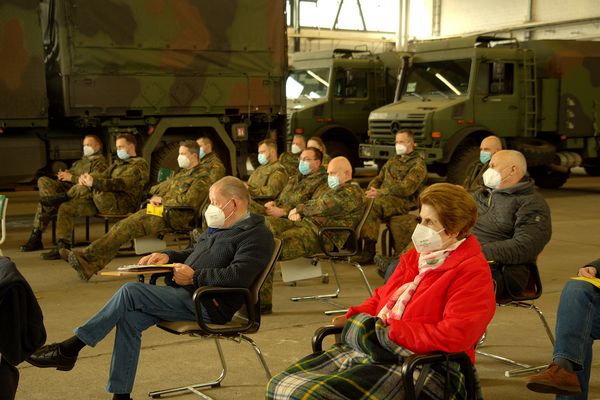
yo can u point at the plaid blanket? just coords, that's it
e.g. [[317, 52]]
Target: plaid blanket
[[365, 365]]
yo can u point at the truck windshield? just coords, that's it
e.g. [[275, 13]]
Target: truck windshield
[[447, 78], [307, 83]]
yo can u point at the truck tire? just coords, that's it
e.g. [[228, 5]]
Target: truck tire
[[547, 178], [462, 159], [165, 156], [592, 166], [336, 149], [538, 152]]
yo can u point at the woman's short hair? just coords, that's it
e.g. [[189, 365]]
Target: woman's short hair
[[319, 142], [454, 206]]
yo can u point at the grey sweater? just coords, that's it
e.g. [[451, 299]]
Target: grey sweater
[[514, 223]]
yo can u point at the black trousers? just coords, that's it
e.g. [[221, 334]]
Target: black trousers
[[9, 380]]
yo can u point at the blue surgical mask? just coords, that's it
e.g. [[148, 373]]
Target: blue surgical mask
[[333, 181], [201, 152], [122, 154], [304, 168], [485, 156], [262, 159]]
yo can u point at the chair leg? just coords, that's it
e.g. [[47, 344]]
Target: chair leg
[[194, 388], [259, 354], [324, 297], [364, 277]]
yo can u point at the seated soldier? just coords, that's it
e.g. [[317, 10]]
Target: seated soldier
[[53, 192], [316, 141], [514, 221], [209, 160], [231, 253], [474, 177], [267, 181], [340, 205], [300, 187], [118, 190], [395, 190], [188, 187], [289, 159]]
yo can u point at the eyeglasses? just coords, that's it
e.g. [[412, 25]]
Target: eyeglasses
[[308, 159]]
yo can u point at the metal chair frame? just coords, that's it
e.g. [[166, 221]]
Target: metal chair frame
[[342, 255], [3, 207], [524, 300], [245, 321]]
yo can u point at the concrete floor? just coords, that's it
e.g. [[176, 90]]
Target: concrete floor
[[168, 360]]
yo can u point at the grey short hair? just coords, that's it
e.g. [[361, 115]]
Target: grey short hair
[[230, 186]]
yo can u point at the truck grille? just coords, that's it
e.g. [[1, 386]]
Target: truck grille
[[387, 127]]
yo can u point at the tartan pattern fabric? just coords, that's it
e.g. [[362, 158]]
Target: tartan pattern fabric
[[365, 365]]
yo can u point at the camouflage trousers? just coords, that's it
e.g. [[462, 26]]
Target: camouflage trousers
[[402, 228], [102, 251], [384, 207], [48, 187]]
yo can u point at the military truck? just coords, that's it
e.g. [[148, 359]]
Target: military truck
[[164, 70], [542, 97], [330, 94]]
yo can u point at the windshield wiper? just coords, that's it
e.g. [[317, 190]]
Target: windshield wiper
[[440, 92], [417, 95]]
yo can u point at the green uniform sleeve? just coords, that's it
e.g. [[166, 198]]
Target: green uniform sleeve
[[133, 175], [413, 179], [274, 185]]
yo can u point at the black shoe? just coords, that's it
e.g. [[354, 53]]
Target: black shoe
[[49, 356], [34, 242], [54, 254]]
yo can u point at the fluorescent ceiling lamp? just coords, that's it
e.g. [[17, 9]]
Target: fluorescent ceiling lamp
[[317, 77], [451, 86]]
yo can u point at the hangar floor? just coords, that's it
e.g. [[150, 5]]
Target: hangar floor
[[168, 360]]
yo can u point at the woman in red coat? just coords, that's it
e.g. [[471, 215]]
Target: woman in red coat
[[440, 297]]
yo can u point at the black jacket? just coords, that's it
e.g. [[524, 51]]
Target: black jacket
[[21, 320]]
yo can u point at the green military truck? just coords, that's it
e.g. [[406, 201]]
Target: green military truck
[[164, 70], [541, 97], [331, 93]]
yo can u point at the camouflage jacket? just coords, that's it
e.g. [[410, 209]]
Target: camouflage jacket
[[267, 181], [213, 166], [94, 165], [342, 206], [290, 162], [474, 176], [402, 176], [126, 178], [301, 188], [188, 187]]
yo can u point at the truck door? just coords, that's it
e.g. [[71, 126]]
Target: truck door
[[351, 103], [496, 100]]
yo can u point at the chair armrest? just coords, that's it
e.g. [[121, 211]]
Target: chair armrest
[[322, 240], [321, 333], [167, 216], [203, 291], [415, 360]]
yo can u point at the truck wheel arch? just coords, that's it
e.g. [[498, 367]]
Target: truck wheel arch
[[340, 141]]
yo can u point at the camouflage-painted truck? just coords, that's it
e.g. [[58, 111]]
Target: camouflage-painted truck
[[331, 93], [541, 97], [164, 70]]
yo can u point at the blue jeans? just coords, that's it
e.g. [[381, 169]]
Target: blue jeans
[[132, 309], [577, 326]]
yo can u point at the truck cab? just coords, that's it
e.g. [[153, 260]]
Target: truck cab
[[330, 94]]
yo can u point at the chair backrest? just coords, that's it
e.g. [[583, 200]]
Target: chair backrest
[[3, 203], [368, 205], [260, 280]]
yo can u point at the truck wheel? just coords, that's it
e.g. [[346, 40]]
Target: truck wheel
[[164, 157], [592, 170], [537, 152], [547, 178], [459, 165]]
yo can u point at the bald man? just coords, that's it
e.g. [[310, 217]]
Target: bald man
[[514, 221], [340, 205], [474, 177]]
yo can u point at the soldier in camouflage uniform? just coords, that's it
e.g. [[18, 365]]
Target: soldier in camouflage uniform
[[209, 161], [268, 180], [474, 177], [53, 192], [117, 191], [289, 159], [395, 190], [188, 187]]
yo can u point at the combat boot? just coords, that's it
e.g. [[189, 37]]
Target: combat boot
[[34, 242], [54, 254], [367, 254]]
